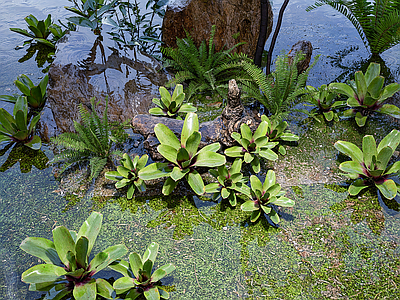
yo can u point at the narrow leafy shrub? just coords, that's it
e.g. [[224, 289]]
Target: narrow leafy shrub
[[205, 70], [369, 165], [91, 143], [67, 270], [366, 94], [264, 196], [138, 276], [16, 128]]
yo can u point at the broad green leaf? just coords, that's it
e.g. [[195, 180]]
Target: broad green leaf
[[290, 137], [8, 98], [360, 119], [147, 267], [225, 193], [81, 250], [168, 152], [178, 91], [104, 289], [236, 136], [162, 272], [154, 171], [165, 96], [112, 253], [214, 147], [391, 140], [369, 149], [274, 216], [255, 164], [113, 175], [178, 174], [274, 189], [85, 291], [283, 201], [393, 168], [136, 263], [122, 183], [372, 72], [232, 198], [121, 285], [328, 115], [350, 150], [342, 88], [361, 85], [383, 158], [246, 132], [376, 86], [121, 266], [247, 157], [166, 137], [22, 87], [63, 243], [183, 157], [235, 151], [389, 91], [163, 294], [268, 154], [187, 108], [255, 183], [20, 121], [152, 294], [209, 159], [249, 205], [151, 252], [357, 186], [266, 209], [255, 215], [42, 273], [23, 32], [270, 180], [236, 177], [157, 111], [169, 186], [352, 167], [41, 248], [91, 228], [193, 143], [388, 188], [261, 130], [236, 166], [190, 125], [123, 171], [391, 110], [196, 182], [142, 162], [212, 187]]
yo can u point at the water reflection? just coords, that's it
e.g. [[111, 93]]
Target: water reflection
[[26, 157]]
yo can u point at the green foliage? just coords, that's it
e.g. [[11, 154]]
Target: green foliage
[[16, 128], [230, 181], [127, 174], [67, 270], [35, 94], [91, 143], [40, 31], [370, 165], [265, 196], [171, 106], [366, 93], [277, 132], [183, 156], [253, 145], [205, 70], [280, 91], [323, 98], [377, 22], [26, 157], [138, 276]]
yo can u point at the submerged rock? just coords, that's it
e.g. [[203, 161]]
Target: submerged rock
[[89, 66], [230, 17]]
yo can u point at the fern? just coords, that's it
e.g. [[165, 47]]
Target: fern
[[279, 92], [90, 144], [377, 22], [203, 69]]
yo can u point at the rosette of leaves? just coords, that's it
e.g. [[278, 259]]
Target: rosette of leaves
[[323, 98], [230, 182], [183, 156], [366, 94], [127, 174], [171, 106], [277, 132], [67, 270], [40, 30], [138, 277], [369, 165], [265, 196], [16, 128], [35, 94], [252, 145]]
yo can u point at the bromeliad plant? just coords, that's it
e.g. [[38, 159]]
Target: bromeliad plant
[[138, 277], [16, 128], [277, 132], [127, 174], [183, 156], [253, 145], [265, 196], [67, 270], [323, 98], [370, 165], [230, 182], [366, 94], [171, 106], [35, 94]]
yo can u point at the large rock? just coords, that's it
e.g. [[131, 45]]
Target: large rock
[[89, 66], [229, 16]]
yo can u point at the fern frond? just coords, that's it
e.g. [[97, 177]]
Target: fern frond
[[96, 165]]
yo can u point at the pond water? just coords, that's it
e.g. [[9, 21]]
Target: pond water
[[328, 246]]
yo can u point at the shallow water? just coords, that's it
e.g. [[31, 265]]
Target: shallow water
[[329, 246]]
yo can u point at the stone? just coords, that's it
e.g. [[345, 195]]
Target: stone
[[306, 48], [229, 16], [89, 66]]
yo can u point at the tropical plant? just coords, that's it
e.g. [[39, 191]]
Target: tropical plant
[[16, 128], [35, 94], [265, 196], [67, 270], [230, 182], [280, 91], [205, 70], [171, 106], [377, 22], [40, 30], [90, 143], [366, 94], [127, 174], [183, 156], [323, 98], [252, 145], [138, 276], [369, 165], [277, 132]]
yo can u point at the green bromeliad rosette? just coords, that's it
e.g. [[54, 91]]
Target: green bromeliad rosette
[[138, 276], [265, 196], [67, 269], [369, 165]]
